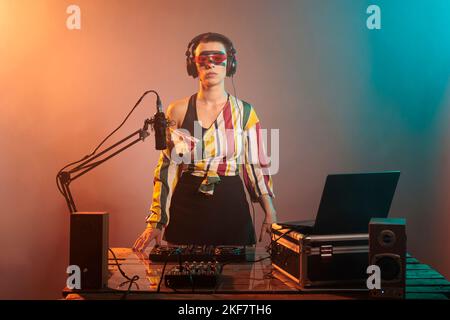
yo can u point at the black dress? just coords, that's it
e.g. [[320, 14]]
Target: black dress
[[219, 219]]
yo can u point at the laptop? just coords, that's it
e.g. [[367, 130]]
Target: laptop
[[348, 203]]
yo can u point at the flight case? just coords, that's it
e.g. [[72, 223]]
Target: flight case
[[315, 261]]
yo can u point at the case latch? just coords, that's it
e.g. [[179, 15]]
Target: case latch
[[326, 251]]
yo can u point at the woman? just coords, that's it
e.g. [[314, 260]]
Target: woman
[[212, 137]]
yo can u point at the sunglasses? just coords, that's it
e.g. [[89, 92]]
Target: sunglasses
[[216, 58]]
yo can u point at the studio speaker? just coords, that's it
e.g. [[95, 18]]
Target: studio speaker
[[89, 247], [387, 250]]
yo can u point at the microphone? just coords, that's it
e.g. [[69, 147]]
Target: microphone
[[158, 104], [160, 125]]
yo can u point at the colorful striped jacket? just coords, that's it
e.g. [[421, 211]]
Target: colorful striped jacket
[[233, 141]]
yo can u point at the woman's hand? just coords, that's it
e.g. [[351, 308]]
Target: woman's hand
[[150, 233]]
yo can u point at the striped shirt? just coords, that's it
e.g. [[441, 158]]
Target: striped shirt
[[232, 144]]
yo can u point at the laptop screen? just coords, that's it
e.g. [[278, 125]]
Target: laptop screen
[[349, 201]]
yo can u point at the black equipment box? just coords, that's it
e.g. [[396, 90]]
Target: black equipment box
[[199, 253], [194, 275], [318, 261]]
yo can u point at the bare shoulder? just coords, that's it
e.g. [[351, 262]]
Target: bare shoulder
[[177, 110]]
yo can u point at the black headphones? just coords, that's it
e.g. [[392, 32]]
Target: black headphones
[[231, 54]]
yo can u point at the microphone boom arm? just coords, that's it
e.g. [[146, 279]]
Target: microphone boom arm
[[65, 177]]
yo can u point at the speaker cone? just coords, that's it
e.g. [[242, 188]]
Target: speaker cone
[[390, 266], [387, 238]]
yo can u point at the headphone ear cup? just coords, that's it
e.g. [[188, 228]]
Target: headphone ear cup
[[191, 68], [234, 65], [231, 66], [188, 61], [188, 67], [194, 71]]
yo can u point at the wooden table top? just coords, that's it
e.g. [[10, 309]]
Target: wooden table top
[[248, 280]]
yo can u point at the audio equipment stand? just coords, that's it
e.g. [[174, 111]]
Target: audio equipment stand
[[65, 177]]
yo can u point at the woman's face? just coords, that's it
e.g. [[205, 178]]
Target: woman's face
[[211, 62]]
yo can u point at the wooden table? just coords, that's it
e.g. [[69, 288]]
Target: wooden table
[[251, 280]]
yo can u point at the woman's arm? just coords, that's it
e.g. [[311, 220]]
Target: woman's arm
[[267, 205], [256, 175], [164, 182], [270, 214]]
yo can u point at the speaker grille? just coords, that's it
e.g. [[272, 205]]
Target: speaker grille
[[390, 266]]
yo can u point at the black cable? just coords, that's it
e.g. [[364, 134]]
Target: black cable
[[243, 143], [126, 118], [237, 102], [242, 126], [177, 251], [130, 280], [254, 218], [268, 250], [272, 242], [162, 274], [107, 137], [125, 295], [118, 265]]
